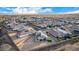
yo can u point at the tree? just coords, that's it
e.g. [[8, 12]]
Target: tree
[[50, 26]]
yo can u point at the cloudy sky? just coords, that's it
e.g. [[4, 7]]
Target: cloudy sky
[[38, 10]]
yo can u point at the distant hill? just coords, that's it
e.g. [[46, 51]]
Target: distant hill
[[42, 15]]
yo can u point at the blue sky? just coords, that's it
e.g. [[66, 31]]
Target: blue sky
[[38, 10]]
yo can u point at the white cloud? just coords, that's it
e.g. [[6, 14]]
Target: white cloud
[[31, 10], [9, 8], [47, 10], [72, 12], [4, 12], [23, 11]]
